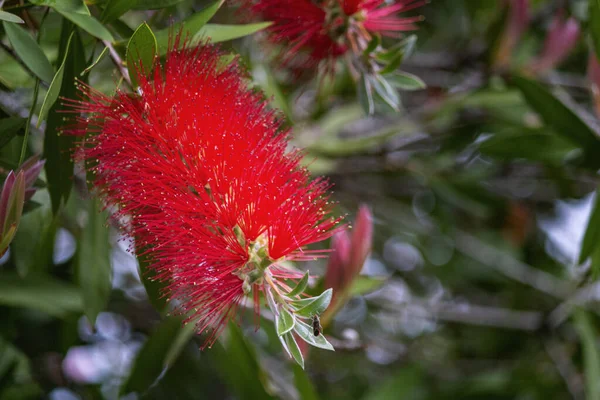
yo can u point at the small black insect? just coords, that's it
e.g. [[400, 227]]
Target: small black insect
[[316, 324]]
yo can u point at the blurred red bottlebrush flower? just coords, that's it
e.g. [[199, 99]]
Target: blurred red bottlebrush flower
[[313, 32], [560, 40], [197, 164]]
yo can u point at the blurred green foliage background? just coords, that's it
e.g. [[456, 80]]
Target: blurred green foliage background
[[482, 280]]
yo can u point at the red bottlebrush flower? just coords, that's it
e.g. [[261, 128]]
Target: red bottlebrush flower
[[197, 165], [312, 32]]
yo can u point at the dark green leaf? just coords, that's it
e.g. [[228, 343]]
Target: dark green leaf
[[150, 361], [306, 333], [154, 288], [54, 89], [561, 118], [155, 4], [591, 240], [313, 305], [189, 27], [9, 128], [373, 44], [29, 51], [294, 349], [115, 8], [591, 357], [89, 24], [34, 243], [405, 81], [141, 50], [47, 295], [76, 6], [284, 322], [57, 147], [303, 384], [93, 262], [299, 288], [5, 16]]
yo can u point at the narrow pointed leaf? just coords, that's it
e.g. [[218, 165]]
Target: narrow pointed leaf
[[6, 16], [141, 50], [307, 334], [285, 322], [222, 33], [591, 240], [294, 349], [29, 51], [313, 305], [300, 287], [9, 128], [89, 24], [115, 8], [54, 89]]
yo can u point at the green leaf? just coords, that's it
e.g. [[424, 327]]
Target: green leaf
[[93, 262], [57, 147], [303, 384], [365, 95], [89, 24], [189, 27], [76, 6], [364, 284], [594, 25], [54, 89], [150, 361], [591, 240], [6, 16], [154, 287], [156, 4], [183, 338], [29, 51], [405, 81], [561, 118], [141, 50], [222, 33], [387, 93], [591, 358], [43, 294], [306, 333], [313, 305], [284, 321], [300, 287], [9, 128], [115, 8], [98, 59], [290, 341]]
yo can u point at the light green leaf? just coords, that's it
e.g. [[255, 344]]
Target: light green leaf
[[294, 349], [6, 16], [189, 27], [284, 321], [47, 295], [89, 24], [93, 262], [302, 382], [313, 305], [591, 357], [54, 89], [365, 284], [365, 95], [405, 81], [29, 51], [98, 59], [591, 240], [141, 50], [222, 33], [300, 287], [306, 333]]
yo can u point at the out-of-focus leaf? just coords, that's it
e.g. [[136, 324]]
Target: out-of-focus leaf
[[89, 24], [303, 384], [74, 6], [5, 16], [284, 322], [34, 243], [93, 262], [55, 86], [98, 59], [591, 240], [386, 92], [365, 284], [183, 337], [407, 384], [290, 341], [115, 8], [57, 147], [9, 128], [529, 144], [189, 27], [594, 25], [150, 361], [153, 286], [222, 33], [561, 118], [29, 51], [155, 4], [44, 294], [365, 95], [591, 357], [141, 50], [238, 366], [313, 305], [405, 81]]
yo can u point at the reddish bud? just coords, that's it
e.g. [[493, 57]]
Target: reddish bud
[[562, 36], [12, 199]]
